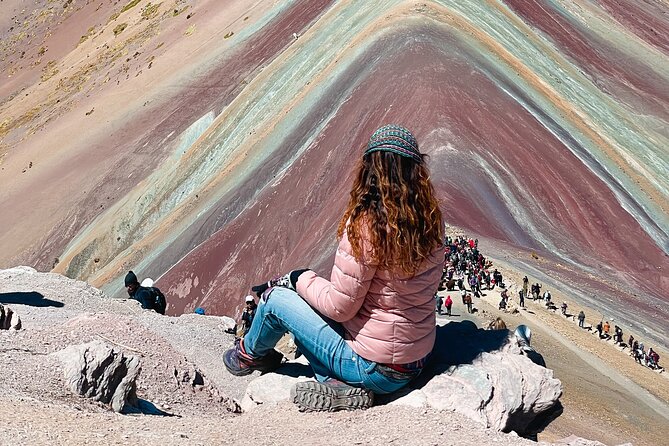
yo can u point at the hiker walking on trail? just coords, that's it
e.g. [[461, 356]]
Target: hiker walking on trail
[[347, 327], [449, 303], [607, 328], [525, 285], [581, 319], [521, 300], [617, 335], [468, 302], [150, 297], [653, 359], [440, 303]]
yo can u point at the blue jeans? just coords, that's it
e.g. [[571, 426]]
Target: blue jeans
[[320, 339]]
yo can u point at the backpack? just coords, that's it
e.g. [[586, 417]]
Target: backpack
[[159, 301]]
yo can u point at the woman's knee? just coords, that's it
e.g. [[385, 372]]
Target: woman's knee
[[279, 298]]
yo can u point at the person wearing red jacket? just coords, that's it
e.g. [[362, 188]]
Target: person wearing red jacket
[[448, 303]]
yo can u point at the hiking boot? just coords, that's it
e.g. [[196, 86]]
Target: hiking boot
[[240, 363], [331, 395]]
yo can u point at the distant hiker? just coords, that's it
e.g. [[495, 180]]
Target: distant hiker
[[653, 359], [581, 319], [474, 286], [525, 284], [606, 328], [547, 298], [563, 308], [498, 278], [617, 335], [248, 314], [370, 329], [502, 304], [468, 302], [599, 329], [150, 297], [449, 303], [521, 300], [463, 293], [639, 354], [630, 341], [634, 346], [440, 302]]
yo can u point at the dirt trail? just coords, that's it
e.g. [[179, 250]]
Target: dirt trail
[[607, 396]]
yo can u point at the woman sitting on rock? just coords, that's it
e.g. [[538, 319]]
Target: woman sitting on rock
[[371, 326]]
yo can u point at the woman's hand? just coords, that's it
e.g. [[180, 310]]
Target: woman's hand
[[286, 281]]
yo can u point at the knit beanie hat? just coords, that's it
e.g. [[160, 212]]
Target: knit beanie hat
[[396, 139], [130, 278]]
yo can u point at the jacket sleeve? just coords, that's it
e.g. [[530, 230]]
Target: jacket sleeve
[[341, 297]]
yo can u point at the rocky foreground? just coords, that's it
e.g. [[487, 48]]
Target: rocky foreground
[[167, 384]]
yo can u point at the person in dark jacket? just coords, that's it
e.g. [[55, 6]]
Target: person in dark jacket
[[248, 314], [141, 294]]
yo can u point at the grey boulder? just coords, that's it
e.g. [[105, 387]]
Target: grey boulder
[[9, 320], [98, 371]]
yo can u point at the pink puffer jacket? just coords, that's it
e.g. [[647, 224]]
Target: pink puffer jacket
[[388, 318]]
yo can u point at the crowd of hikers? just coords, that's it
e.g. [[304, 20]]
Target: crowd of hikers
[[465, 265], [603, 329]]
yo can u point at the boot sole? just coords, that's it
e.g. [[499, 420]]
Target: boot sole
[[313, 396]]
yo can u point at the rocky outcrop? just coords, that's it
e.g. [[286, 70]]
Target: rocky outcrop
[[481, 374], [97, 370], [9, 320]]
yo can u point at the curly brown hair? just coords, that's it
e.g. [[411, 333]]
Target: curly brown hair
[[393, 207]]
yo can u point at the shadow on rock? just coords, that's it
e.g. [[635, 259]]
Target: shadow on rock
[[145, 407], [32, 298], [493, 377], [459, 343], [296, 370]]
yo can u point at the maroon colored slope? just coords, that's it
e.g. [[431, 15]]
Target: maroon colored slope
[[608, 66], [460, 110]]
